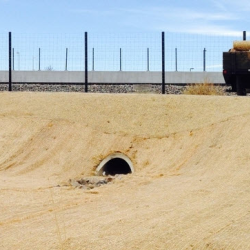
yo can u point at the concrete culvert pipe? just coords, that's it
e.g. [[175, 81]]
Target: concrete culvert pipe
[[116, 163]]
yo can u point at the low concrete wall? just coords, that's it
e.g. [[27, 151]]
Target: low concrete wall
[[111, 77]]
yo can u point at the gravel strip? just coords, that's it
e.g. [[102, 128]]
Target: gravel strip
[[107, 88]]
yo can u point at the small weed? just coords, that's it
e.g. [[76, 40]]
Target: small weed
[[205, 88]]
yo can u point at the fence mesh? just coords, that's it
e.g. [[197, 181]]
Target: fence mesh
[[115, 51], [48, 52], [190, 51], [125, 52], [4, 51]]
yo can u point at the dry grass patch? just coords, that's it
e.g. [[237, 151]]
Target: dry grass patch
[[204, 88]]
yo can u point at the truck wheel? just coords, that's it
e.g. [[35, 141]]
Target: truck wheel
[[240, 87], [234, 89], [233, 83]]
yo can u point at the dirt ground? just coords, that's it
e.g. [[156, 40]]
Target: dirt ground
[[190, 188]]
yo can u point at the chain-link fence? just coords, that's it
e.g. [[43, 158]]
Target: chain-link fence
[[114, 52]]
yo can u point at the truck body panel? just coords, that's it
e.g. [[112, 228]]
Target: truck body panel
[[236, 70]]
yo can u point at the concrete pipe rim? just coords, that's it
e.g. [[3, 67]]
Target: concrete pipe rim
[[101, 167]]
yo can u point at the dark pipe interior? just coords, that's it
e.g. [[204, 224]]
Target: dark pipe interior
[[116, 166]]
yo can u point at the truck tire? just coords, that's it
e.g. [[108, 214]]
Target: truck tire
[[240, 86], [234, 89], [233, 84]]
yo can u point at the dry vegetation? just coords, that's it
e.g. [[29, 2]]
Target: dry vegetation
[[205, 88]]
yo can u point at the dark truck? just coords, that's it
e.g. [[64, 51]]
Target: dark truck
[[236, 70], [236, 66]]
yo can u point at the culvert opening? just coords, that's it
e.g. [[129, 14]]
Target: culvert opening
[[115, 164]]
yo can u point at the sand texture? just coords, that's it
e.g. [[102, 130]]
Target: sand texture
[[190, 188]]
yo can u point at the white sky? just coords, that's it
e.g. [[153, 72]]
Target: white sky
[[219, 17]]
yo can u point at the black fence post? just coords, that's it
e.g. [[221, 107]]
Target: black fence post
[[66, 61], [244, 36], [86, 61], [39, 60], [204, 59], [163, 61], [10, 73]]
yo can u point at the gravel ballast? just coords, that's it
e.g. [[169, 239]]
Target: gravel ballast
[[103, 88]]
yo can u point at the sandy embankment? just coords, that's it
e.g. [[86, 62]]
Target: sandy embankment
[[190, 189]]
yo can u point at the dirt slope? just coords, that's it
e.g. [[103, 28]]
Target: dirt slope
[[190, 189]]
